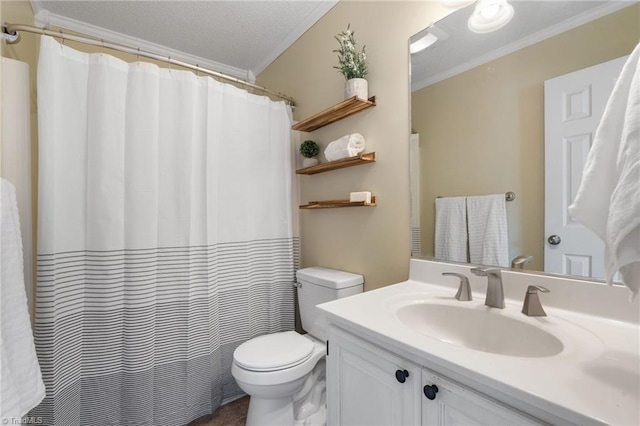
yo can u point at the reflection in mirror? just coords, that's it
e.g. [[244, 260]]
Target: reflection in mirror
[[483, 106]]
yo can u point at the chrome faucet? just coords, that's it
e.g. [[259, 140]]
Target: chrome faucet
[[519, 262], [464, 289], [495, 293], [532, 306]]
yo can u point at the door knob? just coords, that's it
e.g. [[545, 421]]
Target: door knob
[[430, 391], [401, 375], [554, 240]]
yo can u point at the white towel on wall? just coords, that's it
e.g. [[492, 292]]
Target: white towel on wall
[[451, 229], [608, 200], [21, 386], [488, 232], [345, 147]]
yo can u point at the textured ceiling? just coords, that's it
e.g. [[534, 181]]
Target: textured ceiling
[[463, 49], [243, 34]]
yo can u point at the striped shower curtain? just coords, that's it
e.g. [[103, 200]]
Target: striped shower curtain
[[165, 237]]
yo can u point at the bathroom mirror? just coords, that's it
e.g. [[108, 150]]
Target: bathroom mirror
[[478, 113]]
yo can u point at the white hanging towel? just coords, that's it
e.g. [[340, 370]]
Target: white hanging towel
[[488, 234], [608, 200], [21, 386], [345, 147], [451, 229]]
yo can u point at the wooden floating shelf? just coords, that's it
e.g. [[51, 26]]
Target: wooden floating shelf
[[337, 112], [333, 204], [369, 157]]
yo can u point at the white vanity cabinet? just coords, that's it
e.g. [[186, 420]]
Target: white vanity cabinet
[[367, 385], [362, 387]]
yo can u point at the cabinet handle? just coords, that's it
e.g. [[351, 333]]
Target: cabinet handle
[[401, 375], [430, 392]]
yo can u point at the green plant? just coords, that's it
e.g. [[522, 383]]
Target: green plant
[[309, 149], [351, 63]]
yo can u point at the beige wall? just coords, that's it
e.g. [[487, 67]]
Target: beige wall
[[370, 241], [25, 51], [21, 12], [482, 131]]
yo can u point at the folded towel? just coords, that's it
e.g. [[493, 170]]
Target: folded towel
[[451, 229], [21, 386], [488, 235], [608, 200], [345, 147]]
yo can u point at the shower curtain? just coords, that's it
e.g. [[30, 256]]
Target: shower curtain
[[165, 237]]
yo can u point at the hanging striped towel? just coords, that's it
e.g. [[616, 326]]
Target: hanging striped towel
[[451, 229], [488, 236]]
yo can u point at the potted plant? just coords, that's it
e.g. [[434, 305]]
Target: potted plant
[[352, 64], [309, 149]]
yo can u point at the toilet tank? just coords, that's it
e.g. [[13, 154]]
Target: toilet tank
[[319, 285]]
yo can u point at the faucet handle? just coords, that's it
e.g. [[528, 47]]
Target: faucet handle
[[464, 290], [483, 272], [519, 262], [532, 306], [532, 289]]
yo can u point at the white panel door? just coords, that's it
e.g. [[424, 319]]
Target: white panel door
[[362, 387], [454, 405], [573, 106]]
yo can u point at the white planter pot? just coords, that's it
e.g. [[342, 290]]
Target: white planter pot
[[308, 162], [356, 87]]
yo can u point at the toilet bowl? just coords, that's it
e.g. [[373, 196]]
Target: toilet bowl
[[273, 369], [284, 373]]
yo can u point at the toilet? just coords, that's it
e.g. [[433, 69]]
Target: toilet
[[284, 373]]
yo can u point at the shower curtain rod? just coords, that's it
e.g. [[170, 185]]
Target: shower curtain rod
[[11, 35]]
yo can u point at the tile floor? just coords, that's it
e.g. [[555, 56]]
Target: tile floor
[[231, 414]]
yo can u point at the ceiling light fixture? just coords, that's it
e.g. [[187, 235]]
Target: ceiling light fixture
[[490, 15], [422, 43], [425, 38]]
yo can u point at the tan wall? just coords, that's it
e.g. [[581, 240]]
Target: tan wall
[[26, 51], [371, 241], [482, 131]]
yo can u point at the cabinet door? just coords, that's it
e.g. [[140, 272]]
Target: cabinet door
[[455, 405], [362, 388]]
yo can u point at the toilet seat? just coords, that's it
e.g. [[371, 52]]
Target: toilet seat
[[283, 375], [273, 352]]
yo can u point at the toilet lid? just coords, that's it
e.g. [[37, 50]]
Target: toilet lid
[[273, 351]]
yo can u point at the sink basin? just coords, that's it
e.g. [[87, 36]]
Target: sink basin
[[479, 328]]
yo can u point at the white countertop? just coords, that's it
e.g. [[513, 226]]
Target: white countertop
[[595, 379]]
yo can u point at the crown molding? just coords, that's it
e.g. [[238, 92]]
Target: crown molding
[[46, 19], [318, 12], [537, 37]]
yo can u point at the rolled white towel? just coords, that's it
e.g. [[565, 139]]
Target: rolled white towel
[[346, 146]]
